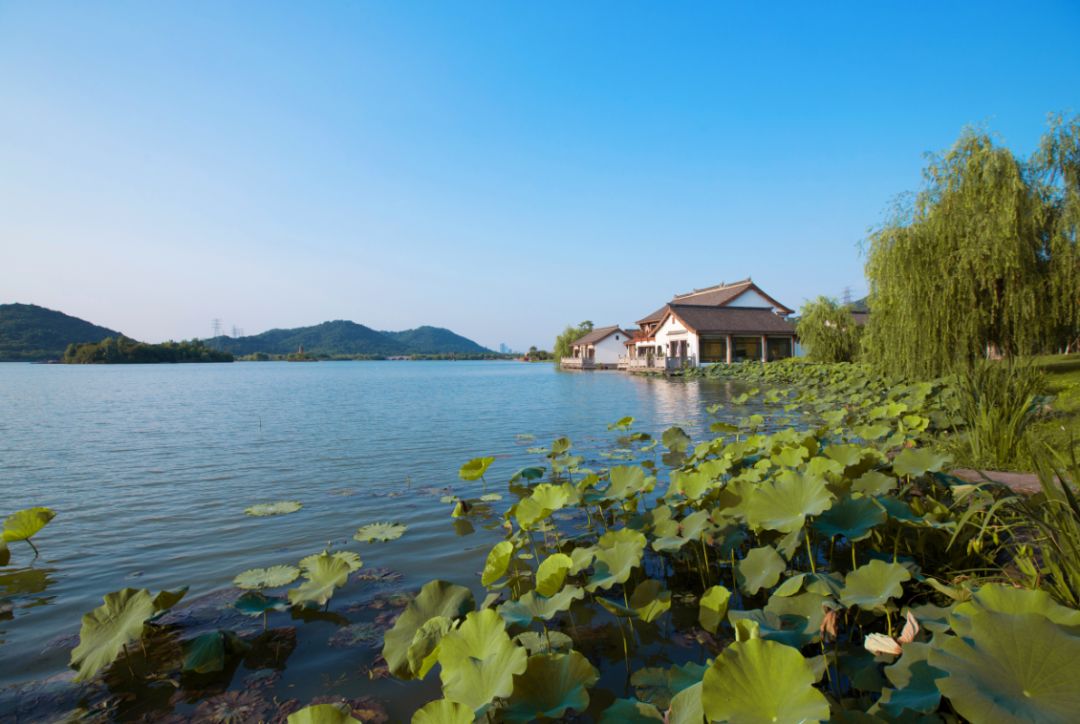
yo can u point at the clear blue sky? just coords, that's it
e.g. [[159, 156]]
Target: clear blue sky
[[497, 168]]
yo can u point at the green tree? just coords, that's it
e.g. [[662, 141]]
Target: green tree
[[984, 262], [569, 335], [828, 331]]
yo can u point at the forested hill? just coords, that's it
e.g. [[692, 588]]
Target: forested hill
[[29, 333], [342, 338]]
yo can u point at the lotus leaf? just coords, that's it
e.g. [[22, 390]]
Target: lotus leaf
[[25, 524], [443, 711], [761, 681], [490, 497], [649, 600], [436, 598], [380, 532], [686, 707], [322, 714], [552, 686], [167, 599], [626, 481], [551, 574], [874, 482], [206, 654], [761, 568], [475, 468], [675, 440], [282, 507], [478, 660], [872, 432], [254, 603], [630, 711], [623, 423], [534, 606], [560, 445], [854, 518], [552, 497], [616, 558], [915, 681], [324, 573], [549, 642], [109, 628], [498, 560], [713, 608], [846, 455], [352, 560], [916, 462], [898, 509], [582, 558], [784, 504], [657, 686], [1006, 599], [423, 652], [272, 577], [791, 630], [823, 466], [1010, 668], [529, 473], [873, 584]]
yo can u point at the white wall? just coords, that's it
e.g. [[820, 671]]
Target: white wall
[[673, 330], [610, 349], [750, 298]]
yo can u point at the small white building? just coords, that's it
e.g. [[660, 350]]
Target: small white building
[[599, 349]]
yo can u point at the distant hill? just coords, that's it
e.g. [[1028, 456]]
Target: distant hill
[[342, 338], [29, 333]]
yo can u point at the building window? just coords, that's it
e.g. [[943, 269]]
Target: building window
[[744, 349], [714, 350], [779, 347]]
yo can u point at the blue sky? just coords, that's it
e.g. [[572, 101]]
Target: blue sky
[[497, 168]]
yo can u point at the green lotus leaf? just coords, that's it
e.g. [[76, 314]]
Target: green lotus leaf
[[623, 423], [322, 714], [686, 707], [915, 681], [821, 467], [533, 606], [552, 497], [552, 685], [872, 432], [791, 630], [614, 562], [498, 560], [272, 577], [460, 508], [762, 681], [713, 608], [1006, 599], [324, 574], [1010, 668], [675, 440], [551, 573], [423, 652], [549, 642], [352, 560], [109, 628], [846, 455], [475, 468], [874, 482], [873, 584], [627, 480], [25, 524], [649, 600], [443, 711], [898, 509], [761, 568], [582, 558], [784, 504], [657, 686], [853, 518], [560, 445], [490, 497], [528, 513], [690, 484], [536, 450], [790, 457], [282, 507], [380, 532], [436, 598], [254, 603], [478, 660], [530, 472], [167, 599], [207, 654], [630, 711], [791, 586], [913, 463]]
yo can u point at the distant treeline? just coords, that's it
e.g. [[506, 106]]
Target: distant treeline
[[264, 357], [124, 350]]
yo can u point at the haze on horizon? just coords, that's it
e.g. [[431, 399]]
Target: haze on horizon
[[500, 169]]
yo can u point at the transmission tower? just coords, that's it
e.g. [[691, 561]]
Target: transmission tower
[[847, 297], [215, 324]]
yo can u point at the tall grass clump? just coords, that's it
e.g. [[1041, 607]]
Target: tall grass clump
[[997, 400], [1055, 515]]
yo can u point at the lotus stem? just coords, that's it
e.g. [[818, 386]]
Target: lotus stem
[[36, 553], [888, 622], [854, 563], [809, 551], [705, 552]]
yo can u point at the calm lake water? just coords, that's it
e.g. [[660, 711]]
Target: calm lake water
[[150, 467]]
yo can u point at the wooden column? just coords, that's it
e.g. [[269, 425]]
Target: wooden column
[[764, 349], [727, 345]]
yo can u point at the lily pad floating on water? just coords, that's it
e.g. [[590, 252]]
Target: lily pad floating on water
[[325, 573], [322, 714], [475, 468], [552, 685], [380, 532], [436, 598], [282, 507], [352, 560], [479, 661], [443, 711], [273, 577]]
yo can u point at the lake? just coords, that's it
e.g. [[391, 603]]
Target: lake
[[150, 468]]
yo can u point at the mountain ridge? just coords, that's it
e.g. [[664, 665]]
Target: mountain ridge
[[32, 333]]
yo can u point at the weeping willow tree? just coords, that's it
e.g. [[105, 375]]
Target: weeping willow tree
[[828, 331], [983, 263]]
